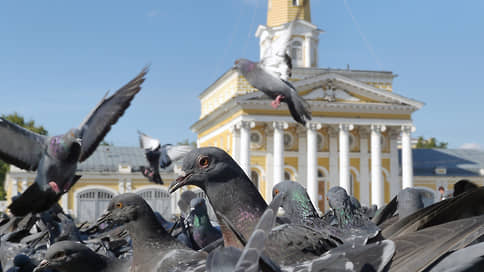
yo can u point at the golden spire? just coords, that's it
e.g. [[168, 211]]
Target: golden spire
[[280, 12]]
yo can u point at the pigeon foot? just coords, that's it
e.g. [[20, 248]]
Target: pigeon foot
[[277, 102]]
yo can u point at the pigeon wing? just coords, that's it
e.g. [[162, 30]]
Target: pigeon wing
[[106, 114], [176, 152], [19, 146], [147, 142]]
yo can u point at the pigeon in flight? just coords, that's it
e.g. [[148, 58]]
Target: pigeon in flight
[[271, 75], [55, 158], [159, 156]]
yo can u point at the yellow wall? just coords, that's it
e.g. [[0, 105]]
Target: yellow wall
[[282, 11]]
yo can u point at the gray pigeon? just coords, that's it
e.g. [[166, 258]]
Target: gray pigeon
[[154, 249], [469, 259], [56, 158], [69, 256], [202, 231], [348, 218], [235, 198], [159, 156], [271, 75], [230, 259]]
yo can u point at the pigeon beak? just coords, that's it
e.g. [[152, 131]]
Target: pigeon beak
[[180, 181], [104, 218], [42, 265]]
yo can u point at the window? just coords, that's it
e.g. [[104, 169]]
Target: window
[[255, 139], [295, 3], [288, 140], [91, 204], [296, 53], [159, 201], [320, 141]]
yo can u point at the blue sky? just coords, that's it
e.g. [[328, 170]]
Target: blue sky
[[58, 58]]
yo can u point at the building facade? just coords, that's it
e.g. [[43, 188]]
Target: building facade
[[351, 140]]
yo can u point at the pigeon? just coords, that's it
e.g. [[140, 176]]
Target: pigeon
[[159, 156], [462, 186], [202, 231], [235, 199], [348, 218], [154, 249], [55, 158], [23, 263], [184, 202], [465, 205], [468, 259], [230, 259], [418, 250], [69, 256], [271, 75]]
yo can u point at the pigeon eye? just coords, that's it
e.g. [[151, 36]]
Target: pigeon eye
[[276, 191], [59, 255], [203, 162], [119, 205]]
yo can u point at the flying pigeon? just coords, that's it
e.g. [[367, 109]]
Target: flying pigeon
[[159, 156], [235, 199], [55, 158], [271, 75]]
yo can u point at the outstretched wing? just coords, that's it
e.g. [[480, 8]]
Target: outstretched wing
[[147, 142], [19, 146], [176, 152], [106, 114], [275, 59]]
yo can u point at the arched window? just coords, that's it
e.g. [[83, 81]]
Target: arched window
[[159, 201], [92, 203], [295, 3], [287, 175], [296, 53], [288, 140]]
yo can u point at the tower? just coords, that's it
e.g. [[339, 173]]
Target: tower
[[305, 38]]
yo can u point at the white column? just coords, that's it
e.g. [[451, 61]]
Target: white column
[[64, 202], [307, 50], [279, 128], [235, 142], [333, 157], [364, 167], [395, 185], [377, 186], [14, 187], [245, 127], [129, 186], [312, 163], [407, 164], [302, 156], [269, 132], [344, 156], [121, 186]]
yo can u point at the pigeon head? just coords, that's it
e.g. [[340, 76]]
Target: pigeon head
[[338, 198], [295, 199], [22, 260], [198, 206], [206, 165], [66, 147], [125, 208], [70, 256], [244, 66]]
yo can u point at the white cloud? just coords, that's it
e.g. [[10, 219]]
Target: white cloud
[[153, 13], [471, 146]]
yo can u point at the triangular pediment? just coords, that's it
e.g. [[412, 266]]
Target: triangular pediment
[[333, 87]]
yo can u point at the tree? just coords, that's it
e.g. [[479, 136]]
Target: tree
[[30, 125], [430, 143], [187, 142]]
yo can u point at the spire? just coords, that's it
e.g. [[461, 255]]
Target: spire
[[280, 12]]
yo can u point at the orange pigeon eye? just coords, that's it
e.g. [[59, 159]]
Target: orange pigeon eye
[[276, 191], [203, 162], [119, 205]]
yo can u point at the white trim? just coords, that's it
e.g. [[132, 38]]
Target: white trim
[[356, 172], [88, 188]]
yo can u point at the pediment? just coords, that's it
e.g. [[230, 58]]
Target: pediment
[[333, 87]]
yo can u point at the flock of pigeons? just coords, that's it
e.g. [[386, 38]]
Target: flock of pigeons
[[249, 234]]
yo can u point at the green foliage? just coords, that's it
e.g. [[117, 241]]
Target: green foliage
[[430, 143], [187, 142], [106, 143], [30, 125]]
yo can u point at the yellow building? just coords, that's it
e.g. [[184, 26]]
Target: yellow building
[[351, 140]]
